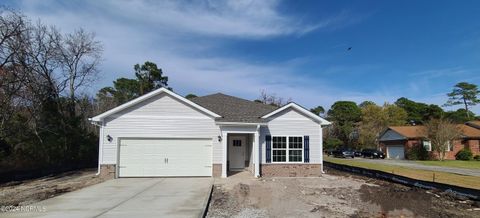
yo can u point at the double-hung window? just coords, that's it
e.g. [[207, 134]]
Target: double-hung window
[[279, 149], [427, 145], [449, 146], [286, 149]]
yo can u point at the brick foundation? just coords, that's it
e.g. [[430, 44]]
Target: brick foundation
[[107, 171], [291, 170], [216, 170]]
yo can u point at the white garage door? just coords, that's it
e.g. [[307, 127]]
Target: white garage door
[[165, 157], [395, 152]]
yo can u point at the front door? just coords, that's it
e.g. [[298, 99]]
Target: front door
[[237, 145]]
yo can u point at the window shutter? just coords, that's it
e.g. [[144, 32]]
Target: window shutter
[[306, 149], [268, 148]]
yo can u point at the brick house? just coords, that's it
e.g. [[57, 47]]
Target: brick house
[[396, 141]]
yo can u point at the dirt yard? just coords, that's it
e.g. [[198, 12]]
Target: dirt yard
[[334, 195], [31, 191]]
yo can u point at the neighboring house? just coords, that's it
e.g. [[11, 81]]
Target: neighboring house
[[397, 140], [164, 134]]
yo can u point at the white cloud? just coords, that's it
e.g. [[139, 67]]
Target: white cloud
[[239, 19], [185, 38]]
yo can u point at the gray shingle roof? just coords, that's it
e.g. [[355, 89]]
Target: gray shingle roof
[[233, 109]]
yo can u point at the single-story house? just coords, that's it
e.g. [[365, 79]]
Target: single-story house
[[397, 140], [162, 134]]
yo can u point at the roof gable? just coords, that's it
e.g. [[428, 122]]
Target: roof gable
[[148, 96], [409, 131], [300, 109], [391, 135]]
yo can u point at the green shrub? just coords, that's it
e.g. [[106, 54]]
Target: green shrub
[[476, 157], [332, 143], [464, 154], [417, 152]]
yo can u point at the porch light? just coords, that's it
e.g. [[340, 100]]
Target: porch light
[[109, 138], [219, 138]]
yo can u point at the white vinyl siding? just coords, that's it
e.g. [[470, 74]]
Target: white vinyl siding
[[293, 123], [161, 116]]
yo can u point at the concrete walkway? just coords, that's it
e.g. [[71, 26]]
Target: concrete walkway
[[412, 164], [132, 197]]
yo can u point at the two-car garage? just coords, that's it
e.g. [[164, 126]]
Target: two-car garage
[[159, 157]]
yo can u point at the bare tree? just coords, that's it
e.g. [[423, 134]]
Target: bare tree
[[79, 56], [41, 71], [272, 99], [12, 29], [442, 134]]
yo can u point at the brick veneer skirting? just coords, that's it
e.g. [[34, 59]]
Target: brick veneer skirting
[[291, 170], [107, 171], [216, 170]]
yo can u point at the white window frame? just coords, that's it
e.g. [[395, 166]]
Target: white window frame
[[427, 143], [450, 146], [287, 159]]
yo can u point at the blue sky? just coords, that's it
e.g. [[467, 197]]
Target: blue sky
[[296, 49]]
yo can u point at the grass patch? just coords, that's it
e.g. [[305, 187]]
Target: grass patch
[[472, 164], [425, 175]]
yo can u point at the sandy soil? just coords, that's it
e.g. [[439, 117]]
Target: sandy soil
[[31, 191], [334, 195]]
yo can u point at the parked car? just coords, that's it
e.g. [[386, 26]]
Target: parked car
[[344, 152], [372, 153], [358, 153]]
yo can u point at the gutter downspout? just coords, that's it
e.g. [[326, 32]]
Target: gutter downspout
[[321, 149], [100, 136]]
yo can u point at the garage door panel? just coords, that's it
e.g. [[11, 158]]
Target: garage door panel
[[396, 152], [165, 157]]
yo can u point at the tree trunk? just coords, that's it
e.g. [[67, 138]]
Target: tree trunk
[[466, 107], [71, 104]]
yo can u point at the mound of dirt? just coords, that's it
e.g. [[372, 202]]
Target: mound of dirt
[[31, 191], [336, 194]]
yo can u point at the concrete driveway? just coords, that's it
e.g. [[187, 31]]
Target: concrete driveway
[[132, 197]]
